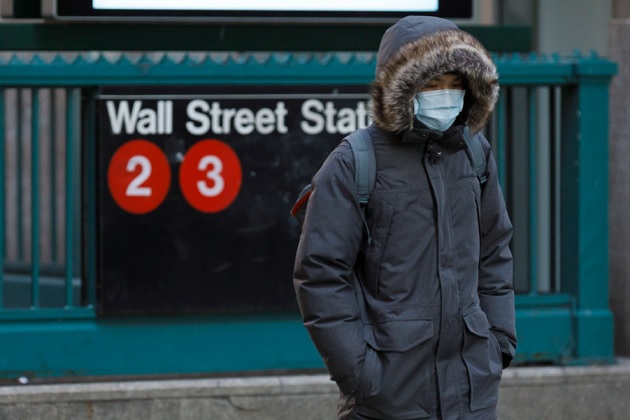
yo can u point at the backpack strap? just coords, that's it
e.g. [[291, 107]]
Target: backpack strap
[[364, 164], [475, 153], [364, 174], [364, 170]]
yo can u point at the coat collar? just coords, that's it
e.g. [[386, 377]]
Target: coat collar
[[435, 143]]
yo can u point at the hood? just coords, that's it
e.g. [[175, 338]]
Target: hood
[[415, 50]]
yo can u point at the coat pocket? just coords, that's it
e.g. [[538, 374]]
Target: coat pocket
[[397, 379], [398, 335], [380, 223], [482, 357]]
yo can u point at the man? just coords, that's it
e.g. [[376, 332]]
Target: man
[[410, 304]]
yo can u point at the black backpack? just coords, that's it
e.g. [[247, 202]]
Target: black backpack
[[365, 169]]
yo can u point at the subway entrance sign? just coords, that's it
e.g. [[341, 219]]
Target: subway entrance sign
[[195, 187]]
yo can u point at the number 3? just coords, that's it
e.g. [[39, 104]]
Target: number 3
[[213, 175]]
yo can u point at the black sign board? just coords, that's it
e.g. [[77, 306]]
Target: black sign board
[[195, 187]]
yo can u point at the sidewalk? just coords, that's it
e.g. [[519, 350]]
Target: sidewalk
[[541, 393]]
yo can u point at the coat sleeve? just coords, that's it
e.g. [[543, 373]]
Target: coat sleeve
[[324, 269], [495, 290]]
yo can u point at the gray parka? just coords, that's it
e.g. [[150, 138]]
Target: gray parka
[[413, 310]]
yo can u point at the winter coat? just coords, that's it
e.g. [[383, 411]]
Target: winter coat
[[412, 309]]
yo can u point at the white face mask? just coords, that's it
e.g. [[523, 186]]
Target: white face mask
[[437, 109]]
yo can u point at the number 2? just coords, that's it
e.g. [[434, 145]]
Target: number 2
[[135, 188]]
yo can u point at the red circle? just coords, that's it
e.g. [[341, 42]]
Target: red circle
[[139, 176], [210, 176]]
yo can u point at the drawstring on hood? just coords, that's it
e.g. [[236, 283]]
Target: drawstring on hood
[[413, 52]]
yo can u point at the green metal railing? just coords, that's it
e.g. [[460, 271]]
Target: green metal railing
[[41, 175], [549, 133]]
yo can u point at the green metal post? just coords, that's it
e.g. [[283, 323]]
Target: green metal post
[[18, 176], [35, 298], [533, 192], [89, 281], [584, 221], [2, 200], [69, 231], [53, 176]]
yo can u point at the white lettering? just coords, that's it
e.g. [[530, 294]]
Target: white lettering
[[310, 111], [207, 117], [281, 112], [213, 175], [123, 115], [215, 115], [227, 120], [347, 122], [265, 121], [168, 127], [319, 116], [362, 115], [196, 112], [244, 121], [139, 119], [330, 113], [148, 121], [161, 110], [135, 188]]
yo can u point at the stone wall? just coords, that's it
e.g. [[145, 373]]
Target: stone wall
[[541, 393]]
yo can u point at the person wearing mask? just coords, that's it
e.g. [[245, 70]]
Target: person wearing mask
[[410, 303]]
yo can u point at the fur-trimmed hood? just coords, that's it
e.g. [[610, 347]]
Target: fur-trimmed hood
[[415, 50]]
